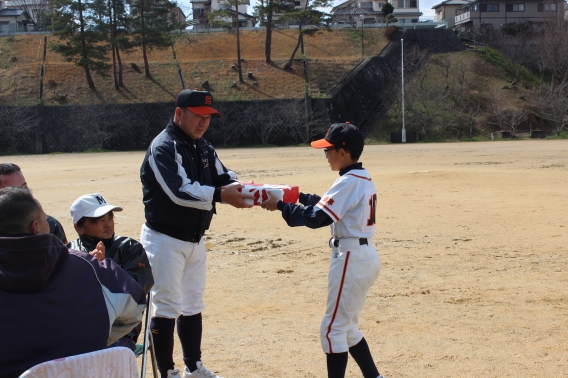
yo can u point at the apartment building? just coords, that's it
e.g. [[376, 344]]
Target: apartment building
[[479, 14]]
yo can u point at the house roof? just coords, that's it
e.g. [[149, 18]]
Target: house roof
[[11, 12], [200, 1], [339, 6], [451, 2], [241, 13], [407, 13], [355, 11]]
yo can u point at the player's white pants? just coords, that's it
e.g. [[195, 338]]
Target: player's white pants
[[353, 270], [179, 270]]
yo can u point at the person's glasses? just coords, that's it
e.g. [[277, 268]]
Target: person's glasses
[[326, 150]]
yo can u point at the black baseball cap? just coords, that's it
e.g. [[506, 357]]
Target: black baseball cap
[[199, 102], [344, 135]]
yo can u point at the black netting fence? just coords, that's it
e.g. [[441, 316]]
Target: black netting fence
[[46, 129]]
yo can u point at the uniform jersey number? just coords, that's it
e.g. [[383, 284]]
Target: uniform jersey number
[[373, 210]]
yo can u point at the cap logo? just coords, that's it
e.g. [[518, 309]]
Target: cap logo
[[208, 100], [100, 199]]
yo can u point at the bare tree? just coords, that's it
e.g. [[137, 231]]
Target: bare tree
[[224, 127], [263, 123], [517, 49], [467, 118], [307, 126], [426, 106], [16, 122], [97, 126], [551, 51], [444, 62], [552, 106]]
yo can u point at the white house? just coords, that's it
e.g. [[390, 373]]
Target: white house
[[201, 9], [370, 12], [14, 20]]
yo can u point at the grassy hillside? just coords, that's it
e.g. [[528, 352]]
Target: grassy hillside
[[461, 96], [201, 57]]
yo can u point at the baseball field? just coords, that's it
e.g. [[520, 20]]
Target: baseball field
[[473, 240]]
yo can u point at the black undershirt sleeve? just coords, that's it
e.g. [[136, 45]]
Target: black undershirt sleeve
[[309, 216]]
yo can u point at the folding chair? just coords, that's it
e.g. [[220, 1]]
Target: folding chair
[[142, 349], [119, 362]]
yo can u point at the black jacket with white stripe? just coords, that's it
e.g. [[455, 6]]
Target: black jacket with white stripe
[[181, 179]]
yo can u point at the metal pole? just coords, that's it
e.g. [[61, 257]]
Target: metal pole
[[363, 37], [402, 74]]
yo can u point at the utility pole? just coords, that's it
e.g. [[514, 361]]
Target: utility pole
[[402, 75]]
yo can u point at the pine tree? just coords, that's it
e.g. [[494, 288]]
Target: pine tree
[[82, 26], [309, 15], [152, 26]]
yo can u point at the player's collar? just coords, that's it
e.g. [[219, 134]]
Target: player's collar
[[350, 167]]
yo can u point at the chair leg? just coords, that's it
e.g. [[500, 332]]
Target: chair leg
[[153, 357], [148, 342]]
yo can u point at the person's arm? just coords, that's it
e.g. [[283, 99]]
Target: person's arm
[[124, 298], [135, 262], [298, 215], [165, 162], [227, 187]]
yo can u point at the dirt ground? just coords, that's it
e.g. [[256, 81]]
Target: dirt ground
[[472, 239]]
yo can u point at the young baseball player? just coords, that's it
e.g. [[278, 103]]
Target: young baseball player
[[348, 207]]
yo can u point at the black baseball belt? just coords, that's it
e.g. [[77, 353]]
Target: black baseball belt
[[337, 242]]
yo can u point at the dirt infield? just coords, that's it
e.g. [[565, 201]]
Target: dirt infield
[[472, 238]]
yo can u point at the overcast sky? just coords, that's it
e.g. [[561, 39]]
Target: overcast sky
[[425, 7]]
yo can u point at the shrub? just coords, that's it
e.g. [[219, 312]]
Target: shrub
[[391, 32]]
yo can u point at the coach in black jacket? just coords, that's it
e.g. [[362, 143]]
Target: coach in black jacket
[[182, 179]]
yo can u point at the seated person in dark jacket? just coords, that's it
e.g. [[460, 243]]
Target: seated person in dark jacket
[[55, 302], [93, 219], [11, 175]]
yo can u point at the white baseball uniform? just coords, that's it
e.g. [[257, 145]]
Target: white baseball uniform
[[354, 263]]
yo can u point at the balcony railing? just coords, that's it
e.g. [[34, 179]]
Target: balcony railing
[[462, 17]]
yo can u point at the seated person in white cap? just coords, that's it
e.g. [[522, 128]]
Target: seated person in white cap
[[93, 219]]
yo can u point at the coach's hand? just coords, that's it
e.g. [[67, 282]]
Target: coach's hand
[[271, 203], [99, 251], [230, 194]]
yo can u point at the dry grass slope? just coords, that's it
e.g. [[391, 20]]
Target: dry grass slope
[[202, 57]]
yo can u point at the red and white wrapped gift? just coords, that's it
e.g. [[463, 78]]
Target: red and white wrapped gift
[[286, 193]]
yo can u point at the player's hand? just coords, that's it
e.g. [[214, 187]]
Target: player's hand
[[99, 251], [271, 203], [230, 194]]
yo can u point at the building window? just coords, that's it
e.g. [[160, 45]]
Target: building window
[[366, 4], [475, 8], [489, 7], [515, 7], [297, 3], [407, 4], [546, 7]]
